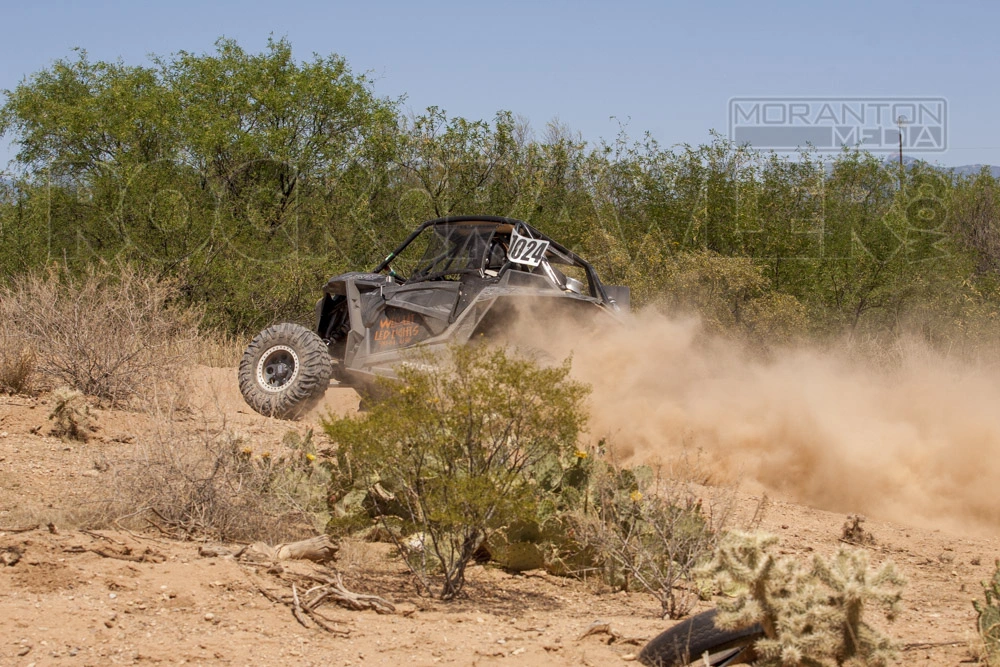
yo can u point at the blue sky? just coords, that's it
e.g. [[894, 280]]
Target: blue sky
[[668, 68]]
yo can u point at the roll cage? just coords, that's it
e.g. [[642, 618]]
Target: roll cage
[[480, 245]]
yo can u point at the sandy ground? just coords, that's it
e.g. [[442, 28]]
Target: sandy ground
[[80, 597]]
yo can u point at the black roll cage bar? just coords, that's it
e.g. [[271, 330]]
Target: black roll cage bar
[[518, 225]]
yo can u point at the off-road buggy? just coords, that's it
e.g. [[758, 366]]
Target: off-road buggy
[[450, 280]]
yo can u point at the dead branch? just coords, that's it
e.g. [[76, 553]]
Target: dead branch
[[300, 611], [325, 623], [27, 529], [137, 535], [614, 636], [101, 537], [297, 608], [268, 594], [147, 555], [335, 590], [919, 646], [163, 531]]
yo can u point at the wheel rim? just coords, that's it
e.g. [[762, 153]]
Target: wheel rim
[[277, 369]]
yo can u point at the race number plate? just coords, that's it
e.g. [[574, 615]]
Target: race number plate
[[524, 250]]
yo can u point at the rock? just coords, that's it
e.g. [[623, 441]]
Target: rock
[[10, 556], [213, 551]]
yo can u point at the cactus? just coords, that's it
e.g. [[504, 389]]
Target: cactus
[[810, 615], [851, 585], [516, 556], [854, 531], [647, 531], [988, 619], [71, 415]]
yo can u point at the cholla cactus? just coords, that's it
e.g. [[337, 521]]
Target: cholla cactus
[[989, 617], [70, 414], [852, 586], [810, 616]]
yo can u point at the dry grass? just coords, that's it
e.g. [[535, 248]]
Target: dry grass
[[17, 366], [201, 480], [218, 349], [113, 333]]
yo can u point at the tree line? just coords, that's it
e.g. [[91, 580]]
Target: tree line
[[249, 178]]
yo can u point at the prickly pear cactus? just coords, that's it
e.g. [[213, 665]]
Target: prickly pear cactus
[[516, 556]]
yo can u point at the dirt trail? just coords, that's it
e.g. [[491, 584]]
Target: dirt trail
[[215, 392]]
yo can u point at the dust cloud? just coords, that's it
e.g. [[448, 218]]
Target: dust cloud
[[917, 443]]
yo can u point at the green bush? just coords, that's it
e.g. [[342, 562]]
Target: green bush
[[649, 531], [451, 446]]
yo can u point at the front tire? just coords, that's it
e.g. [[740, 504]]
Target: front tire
[[285, 371]]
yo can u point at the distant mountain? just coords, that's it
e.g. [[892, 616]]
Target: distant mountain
[[964, 170], [973, 169]]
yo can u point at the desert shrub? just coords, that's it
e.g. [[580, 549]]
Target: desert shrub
[[988, 618], [214, 484], [732, 295], [111, 333], [70, 415], [451, 446], [17, 366], [218, 349], [811, 615], [854, 531], [652, 531]]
